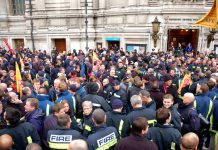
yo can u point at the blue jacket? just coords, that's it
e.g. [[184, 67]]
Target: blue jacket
[[81, 92], [212, 94], [45, 104], [203, 105], [214, 116], [103, 138], [151, 105], [68, 97], [36, 118]]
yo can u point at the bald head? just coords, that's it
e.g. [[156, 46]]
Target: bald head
[[78, 145], [188, 98], [43, 91], [3, 86], [189, 141], [33, 146], [6, 142]]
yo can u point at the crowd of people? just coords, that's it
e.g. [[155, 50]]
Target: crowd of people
[[108, 99]]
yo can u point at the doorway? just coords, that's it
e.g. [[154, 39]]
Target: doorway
[[60, 45], [18, 43], [183, 36], [115, 45]]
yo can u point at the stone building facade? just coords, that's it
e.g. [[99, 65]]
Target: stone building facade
[[124, 23]]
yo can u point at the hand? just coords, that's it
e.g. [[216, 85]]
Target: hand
[[16, 101]]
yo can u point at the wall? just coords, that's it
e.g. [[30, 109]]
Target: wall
[[130, 20]]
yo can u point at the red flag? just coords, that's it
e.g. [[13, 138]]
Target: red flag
[[9, 47]]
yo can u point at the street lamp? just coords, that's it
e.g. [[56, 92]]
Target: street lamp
[[210, 37], [155, 28]]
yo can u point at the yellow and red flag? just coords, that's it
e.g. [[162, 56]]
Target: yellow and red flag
[[94, 56], [21, 64], [19, 83], [185, 82]]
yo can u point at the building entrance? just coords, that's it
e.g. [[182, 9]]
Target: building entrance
[[60, 45], [182, 36], [18, 43], [113, 45]]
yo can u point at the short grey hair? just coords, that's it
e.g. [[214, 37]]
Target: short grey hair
[[190, 96], [135, 99], [144, 93], [85, 103], [99, 116]]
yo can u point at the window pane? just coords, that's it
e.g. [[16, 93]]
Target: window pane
[[18, 7]]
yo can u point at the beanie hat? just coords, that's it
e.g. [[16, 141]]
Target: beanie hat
[[115, 83], [117, 103], [73, 88]]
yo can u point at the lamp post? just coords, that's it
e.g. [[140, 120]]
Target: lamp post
[[210, 37], [86, 22], [31, 24], [155, 29]]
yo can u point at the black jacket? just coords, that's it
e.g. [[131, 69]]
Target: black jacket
[[106, 92], [88, 125], [97, 102], [149, 114], [165, 136], [120, 94], [20, 134], [115, 119], [189, 118], [62, 137]]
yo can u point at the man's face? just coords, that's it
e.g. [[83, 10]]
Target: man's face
[[116, 88], [87, 110], [62, 111], [172, 73], [168, 83], [66, 107], [36, 85], [105, 82], [56, 85], [11, 73], [167, 103], [13, 96], [28, 107], [120, 64], [186, 100]]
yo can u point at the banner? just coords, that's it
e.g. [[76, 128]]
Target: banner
[[9, 47], [185, 82], [19, 83]]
